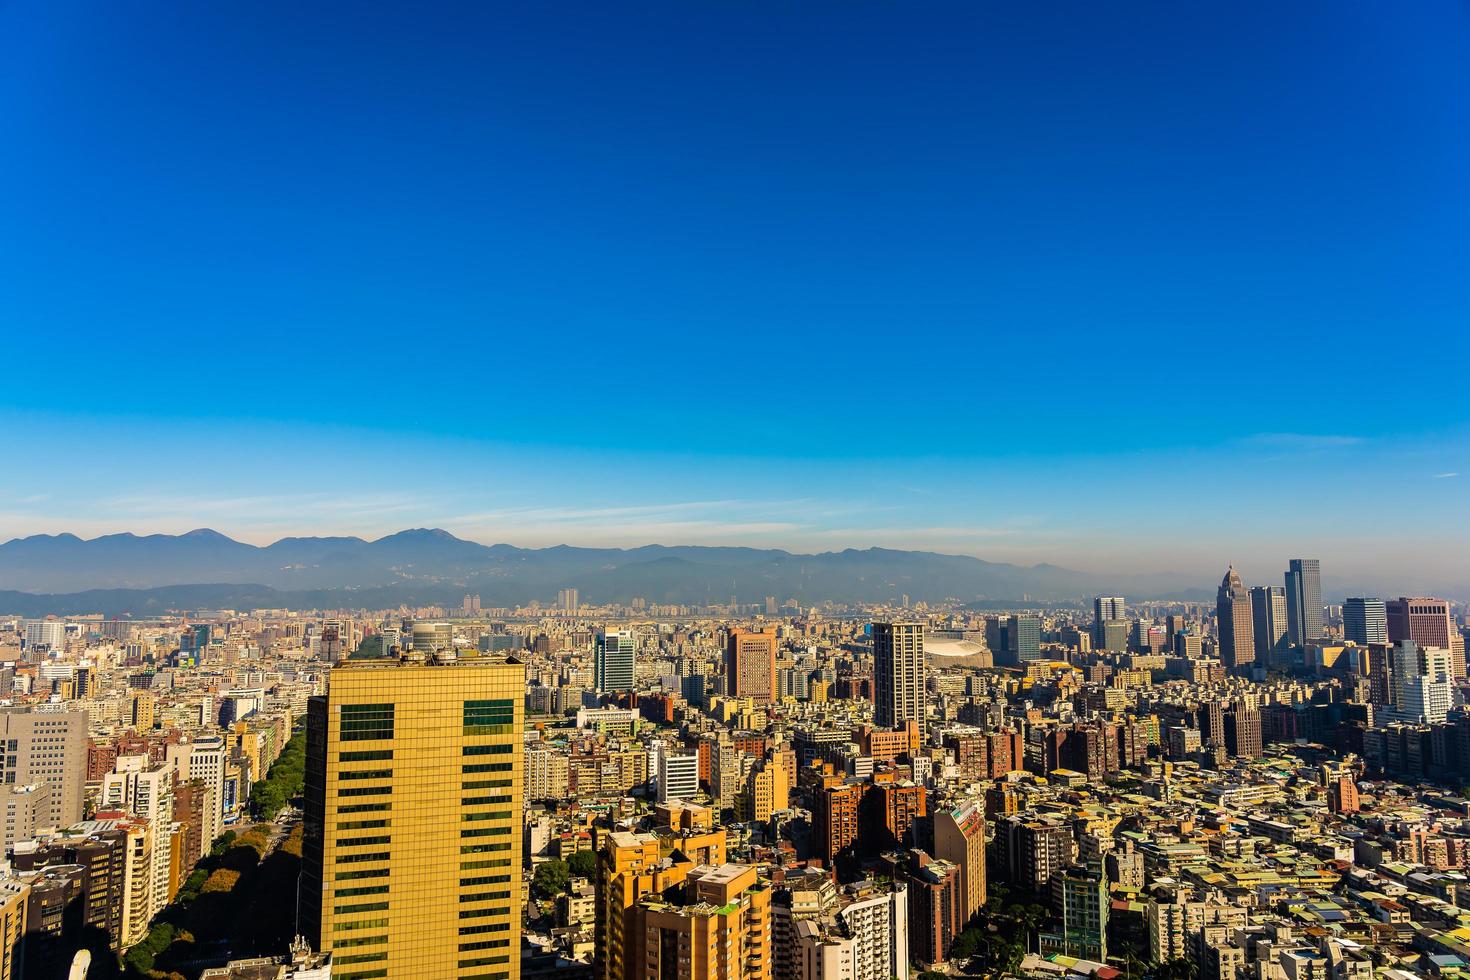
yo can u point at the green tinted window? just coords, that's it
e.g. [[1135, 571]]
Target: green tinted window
[[488, 749], [361, 722], [489, 717]]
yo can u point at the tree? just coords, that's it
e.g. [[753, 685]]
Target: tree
[[551, 879], [284, 781], [582, 864], [965, 945], [1182, 969]]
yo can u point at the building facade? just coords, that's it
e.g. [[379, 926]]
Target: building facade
[[411, 857], [613, 661], [1233, 621], [899, 673], [1304, 601], [750, 664]]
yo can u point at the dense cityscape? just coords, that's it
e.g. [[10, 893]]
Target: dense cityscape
[[1269, 786]]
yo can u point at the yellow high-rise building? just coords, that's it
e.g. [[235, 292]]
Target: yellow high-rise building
[[144, 703], [411, 860]]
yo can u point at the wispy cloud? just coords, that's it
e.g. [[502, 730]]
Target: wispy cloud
[[258, 518], [1300, 442], [1445, 476]]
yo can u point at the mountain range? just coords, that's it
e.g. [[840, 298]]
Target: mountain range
[[129, 572]]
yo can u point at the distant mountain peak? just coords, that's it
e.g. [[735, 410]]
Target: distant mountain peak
[[432, 565], [206, 534], [423, 533]]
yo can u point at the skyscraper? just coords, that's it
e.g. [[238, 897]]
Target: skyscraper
[[1111, 635], [1422, 682], [899, 673], [1428, 623], [1268, 622], [612, 664], [1022, 639], [1364, 621], [1304, 601], [411, 858], [750, 664], [1233, 616], [1108, 611]]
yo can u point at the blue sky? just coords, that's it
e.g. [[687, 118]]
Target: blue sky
[[1152, 286]]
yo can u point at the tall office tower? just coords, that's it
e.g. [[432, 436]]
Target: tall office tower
[[205, 757], [1268, 622], [899, 674], [1243, 731], [612, 665], [411, 859], [1106, 609], [1022, 639], [1304, 601], [1233, 618], [995, 635], [750, 664], [471, 606], [1110, 635], [568, 601], [1365, 621], [1428, 623], [1423, 684], [1109, 627], [959, 837], [51, 747]]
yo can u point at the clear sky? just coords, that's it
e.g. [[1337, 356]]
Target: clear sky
[[1148, 285]]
